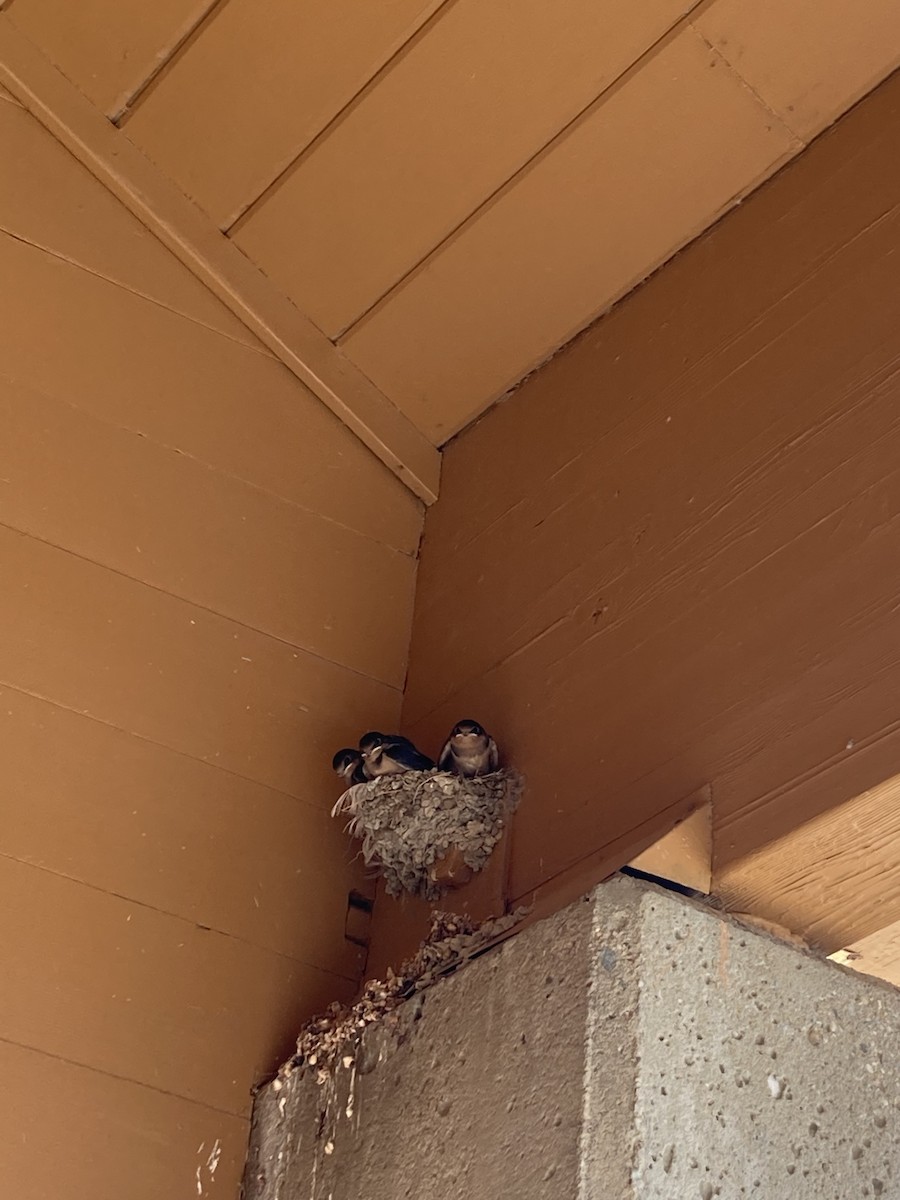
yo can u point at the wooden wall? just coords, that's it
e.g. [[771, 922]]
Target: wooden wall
[[206, 587], [671, 558]]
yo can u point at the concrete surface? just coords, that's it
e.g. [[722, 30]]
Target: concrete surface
[[631, 1047]]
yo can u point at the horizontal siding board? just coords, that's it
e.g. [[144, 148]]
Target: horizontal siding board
[[188, 388], [49, 199], [202, 535], [637, 565], [132, 818], [101, 644], [102, 982], [670, 554], [654, 706], [107, 1138]]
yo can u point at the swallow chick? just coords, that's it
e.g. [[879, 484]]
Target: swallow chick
[[347, 765], [389, 754], [469, 751]]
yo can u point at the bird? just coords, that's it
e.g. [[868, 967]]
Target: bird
[[347, 765], [390, 754], [469, 751]]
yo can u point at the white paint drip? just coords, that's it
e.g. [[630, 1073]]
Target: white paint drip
[[211, 1164], [213, 1161]]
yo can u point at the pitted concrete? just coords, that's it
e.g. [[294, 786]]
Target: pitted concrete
[[764, 1072], [633, 1046]]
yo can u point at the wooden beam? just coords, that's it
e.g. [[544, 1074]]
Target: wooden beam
[[207, 253], [878, 954], [835, 879], [684, 855], [565, 887]]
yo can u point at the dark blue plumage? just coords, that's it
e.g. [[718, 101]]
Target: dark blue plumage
[[389, 754]]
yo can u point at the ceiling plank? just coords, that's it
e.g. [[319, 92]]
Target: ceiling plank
[[205, 251], [809, 60], [573, 232], [225, 144], [108, 47], [447, 125]]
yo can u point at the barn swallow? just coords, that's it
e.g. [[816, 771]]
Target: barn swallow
[[390, 754], [347, 765], [369, 740], [469, 751]]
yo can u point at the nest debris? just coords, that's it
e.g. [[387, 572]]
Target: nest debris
[[332, 1040], [407, 822]]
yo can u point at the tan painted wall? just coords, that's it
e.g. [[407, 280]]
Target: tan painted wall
[[671, 558], [206, 584]]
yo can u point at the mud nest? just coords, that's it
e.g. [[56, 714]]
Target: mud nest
[[409, 822], [332, 1040]]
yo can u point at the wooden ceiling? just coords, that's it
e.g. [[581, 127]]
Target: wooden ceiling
[[451, 190]]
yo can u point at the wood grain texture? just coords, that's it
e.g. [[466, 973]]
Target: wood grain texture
[[107, 47], [668, 560], [879, 954], [300, 65], [810, 60], [161, 829], [445, 127], [135, 365], [105, 983], [51, 201], [201, 535], [851, 893], [102, 1138], [563, 242]]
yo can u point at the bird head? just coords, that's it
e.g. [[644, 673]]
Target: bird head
[[345, 762], [464, 730], [371, 745]]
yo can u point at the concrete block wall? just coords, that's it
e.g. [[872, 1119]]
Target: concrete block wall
[[633, 1046]]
